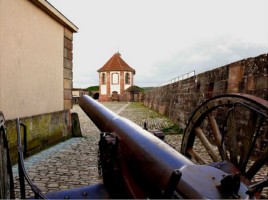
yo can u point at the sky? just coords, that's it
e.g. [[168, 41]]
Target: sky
[[163, 39]]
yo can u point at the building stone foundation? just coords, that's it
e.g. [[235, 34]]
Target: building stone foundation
[[42, 131]]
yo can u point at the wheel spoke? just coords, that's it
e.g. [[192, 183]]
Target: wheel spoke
[[247, 141], [231, 127], [196, 156], [206, 144], [257, 164], [217, 136], [245, 120]]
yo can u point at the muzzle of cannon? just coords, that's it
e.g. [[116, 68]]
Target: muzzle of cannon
[[144, 166]]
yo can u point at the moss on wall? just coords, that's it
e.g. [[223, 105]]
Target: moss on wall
[[42, 131]]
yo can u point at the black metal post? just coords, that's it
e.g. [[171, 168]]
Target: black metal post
[[21, 176]]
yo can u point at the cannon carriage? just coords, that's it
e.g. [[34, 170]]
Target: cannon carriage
[[231, 130]]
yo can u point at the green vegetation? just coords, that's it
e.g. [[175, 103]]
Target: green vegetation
[[147, 88], [140, 89], [93, 88], [173, 129], [139, 114]]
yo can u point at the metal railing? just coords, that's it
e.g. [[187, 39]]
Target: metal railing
[[23, 175], [179, 78]]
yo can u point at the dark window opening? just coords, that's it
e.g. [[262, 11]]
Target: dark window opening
[[103, 78], [127, 78]]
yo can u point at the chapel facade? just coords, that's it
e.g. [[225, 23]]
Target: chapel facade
[[114, 78]]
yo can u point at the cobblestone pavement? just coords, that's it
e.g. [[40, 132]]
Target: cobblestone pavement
[[73, 163]]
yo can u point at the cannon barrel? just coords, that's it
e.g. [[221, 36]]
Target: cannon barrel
[[152, 160]]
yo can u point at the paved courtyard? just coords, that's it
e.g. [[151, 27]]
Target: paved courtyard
[[74, 163]]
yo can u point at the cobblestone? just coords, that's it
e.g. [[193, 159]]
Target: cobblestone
[[74, 163]]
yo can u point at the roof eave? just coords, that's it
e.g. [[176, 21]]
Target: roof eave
[[55, 14], [108, 70]]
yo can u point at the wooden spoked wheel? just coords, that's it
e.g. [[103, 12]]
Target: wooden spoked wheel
[[6, 178], [233, 128]]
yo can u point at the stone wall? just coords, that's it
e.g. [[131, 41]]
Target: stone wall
[[178, 100], [68, 66], [42, 132]]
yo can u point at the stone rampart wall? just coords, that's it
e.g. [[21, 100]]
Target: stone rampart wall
[[178, 100]]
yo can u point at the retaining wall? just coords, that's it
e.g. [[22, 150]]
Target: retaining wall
[[43, 131]]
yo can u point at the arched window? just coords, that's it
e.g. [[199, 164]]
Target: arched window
[[127, 78], [115, 78], [103, 78]]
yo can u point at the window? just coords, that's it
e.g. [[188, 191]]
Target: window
[[127, 78], [115, 78], [103, 78]]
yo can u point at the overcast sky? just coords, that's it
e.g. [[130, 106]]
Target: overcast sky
[[163, 39]]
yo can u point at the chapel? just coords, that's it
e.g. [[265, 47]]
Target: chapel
[[115, 76]]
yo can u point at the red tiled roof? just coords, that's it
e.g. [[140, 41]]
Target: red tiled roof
[[116, 63]]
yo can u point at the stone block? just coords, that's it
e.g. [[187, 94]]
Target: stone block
[[261, 82], [67, 74], [68, 54], [68, 104], [204, 88], [68, 44], [241, 87], [68, 34], [65, 52], [68, 64], [67, 94], [233, 87], [235, 73], [250, 85], [68, 84], [220, 86]]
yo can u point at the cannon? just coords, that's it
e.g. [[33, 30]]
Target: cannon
[[142, 166], [230, 129]]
